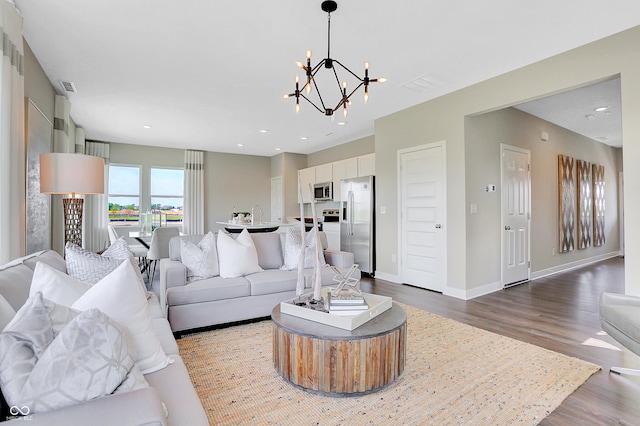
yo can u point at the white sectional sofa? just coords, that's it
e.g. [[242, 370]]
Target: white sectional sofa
[[170, 387], [217, 300]]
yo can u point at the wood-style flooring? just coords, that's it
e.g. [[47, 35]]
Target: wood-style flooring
[[559, 313]]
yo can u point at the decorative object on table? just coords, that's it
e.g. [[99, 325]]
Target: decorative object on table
[[346, 302], [300, 278], [346, 281], [598, 205], [316, 277], [62, 173], [376, 305], [330, 64], [585, 207], [566, 202]]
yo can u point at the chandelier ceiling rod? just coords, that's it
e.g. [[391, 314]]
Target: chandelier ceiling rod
[[328, 63]]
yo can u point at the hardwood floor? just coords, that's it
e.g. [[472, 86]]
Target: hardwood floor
[[559, 313]]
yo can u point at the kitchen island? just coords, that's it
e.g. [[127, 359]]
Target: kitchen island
[[236, 227]]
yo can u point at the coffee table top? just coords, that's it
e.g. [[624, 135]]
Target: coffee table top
[[384, 323]]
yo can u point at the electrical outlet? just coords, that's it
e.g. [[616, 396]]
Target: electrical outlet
[[553, 251]]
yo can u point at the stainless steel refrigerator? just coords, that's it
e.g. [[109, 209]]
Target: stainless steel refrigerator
[[357, 221]]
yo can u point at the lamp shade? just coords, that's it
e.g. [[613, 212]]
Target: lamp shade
[[62, 173]]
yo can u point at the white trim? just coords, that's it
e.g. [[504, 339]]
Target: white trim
[[475, 292], [388, 277], [573, 265], [442, 144]]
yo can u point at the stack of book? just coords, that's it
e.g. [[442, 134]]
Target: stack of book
[[345, 303]]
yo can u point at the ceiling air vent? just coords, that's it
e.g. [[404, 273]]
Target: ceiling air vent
[[424, 83], [68, 86]]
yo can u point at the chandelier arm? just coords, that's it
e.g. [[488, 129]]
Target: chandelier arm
[[319, 94], [346, 98], [348, 70], [311, 102]]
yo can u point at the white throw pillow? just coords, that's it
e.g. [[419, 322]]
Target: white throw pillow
[[201, 260], [115, 296], [56, 286], [292, 246], [120, 250], [237, 257]]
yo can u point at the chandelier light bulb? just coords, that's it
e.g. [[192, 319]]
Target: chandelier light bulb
[[382, 80], [345, 111], [309, 54], [300, 65], [366, 94], [366, 65], [297, 107]]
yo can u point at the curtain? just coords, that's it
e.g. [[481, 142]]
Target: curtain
[[193, 222], [96, 206], [12, 142]]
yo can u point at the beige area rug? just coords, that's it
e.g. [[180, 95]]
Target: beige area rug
[[454, 374]]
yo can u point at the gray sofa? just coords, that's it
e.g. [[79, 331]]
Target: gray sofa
[[217, 300], [170, 385]]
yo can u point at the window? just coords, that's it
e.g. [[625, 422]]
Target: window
[[167, 194], [124, 195]]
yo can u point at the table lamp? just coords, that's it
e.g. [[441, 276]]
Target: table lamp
[[62, 173]]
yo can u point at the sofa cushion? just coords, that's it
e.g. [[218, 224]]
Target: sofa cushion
[[119, 249], [237, 257], [293, 245], [15, 280], [127, 303], [272, 281], [53, 357], [201, 259], [50, 257], [216, 288], [269, 249], [6, 312]]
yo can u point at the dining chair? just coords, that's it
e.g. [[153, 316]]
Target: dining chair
[[138, 250], [159, 247]]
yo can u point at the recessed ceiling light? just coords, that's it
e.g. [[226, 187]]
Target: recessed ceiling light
[[341, 123], [263, 130], [146, 126], [240, 144], [601, 109], [277, 149], [304, 138]]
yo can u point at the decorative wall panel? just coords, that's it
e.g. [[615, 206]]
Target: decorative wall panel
[[38, 208], [598, 205], [585, 204], [566, 202]]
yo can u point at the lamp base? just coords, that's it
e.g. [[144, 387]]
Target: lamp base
[[72, 208]]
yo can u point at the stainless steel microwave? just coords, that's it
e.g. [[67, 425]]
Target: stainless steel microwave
[[323, 191]]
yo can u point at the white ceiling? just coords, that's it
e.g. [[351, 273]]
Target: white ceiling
[[209, 75]]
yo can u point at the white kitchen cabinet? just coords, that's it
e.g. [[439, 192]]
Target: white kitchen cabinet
[[307, 177], [324, 173], [367, 165], [343, 169]]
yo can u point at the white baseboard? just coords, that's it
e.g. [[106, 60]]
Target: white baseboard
[[473, 293], [387, 277], [572, 265]]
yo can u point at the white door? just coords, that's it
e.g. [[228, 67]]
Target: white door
[[276, 199], [515, 214], [422, 217]]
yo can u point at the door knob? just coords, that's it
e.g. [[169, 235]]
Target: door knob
[[507, 228]]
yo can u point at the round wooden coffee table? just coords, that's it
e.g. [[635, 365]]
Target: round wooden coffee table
[[336, 362]]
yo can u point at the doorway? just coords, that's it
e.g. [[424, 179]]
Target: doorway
[[516, 214], [422, 245]]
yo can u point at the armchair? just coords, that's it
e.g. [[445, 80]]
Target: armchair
[[620, 318]]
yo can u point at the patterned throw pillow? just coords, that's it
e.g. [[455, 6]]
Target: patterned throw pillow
[[86, 265], [201, 260], [292, 246], [237, 257], [46, 346]]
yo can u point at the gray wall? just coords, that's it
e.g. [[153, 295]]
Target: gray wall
[[443, 119], [351, 149], [231, 180], [483, 136]]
